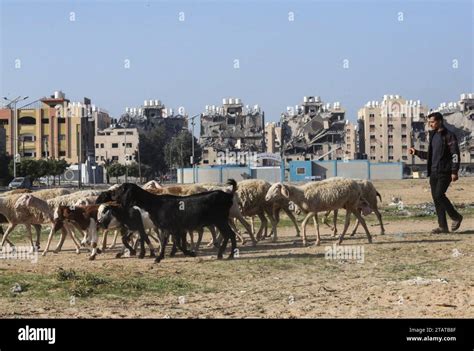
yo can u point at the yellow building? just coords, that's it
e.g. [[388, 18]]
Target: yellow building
[[54, 127]]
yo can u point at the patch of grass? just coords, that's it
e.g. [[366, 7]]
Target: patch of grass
[[66, 283], [404, 271], [63, 275]]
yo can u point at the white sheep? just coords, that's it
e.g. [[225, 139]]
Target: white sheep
[[252, 202], [50, 206], [370, 194], [26, 216], [314, 197]]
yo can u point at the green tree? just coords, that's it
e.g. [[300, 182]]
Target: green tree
[[27, 167], [116, 170], [133, 170], [5, 175], [179, 151], [152, 145], [56, 168]]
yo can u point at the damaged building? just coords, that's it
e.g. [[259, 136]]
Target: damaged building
[[314, 131], [231, 129], [459, 118], [152, 114]]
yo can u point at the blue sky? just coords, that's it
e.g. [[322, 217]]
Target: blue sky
[[190, 63]]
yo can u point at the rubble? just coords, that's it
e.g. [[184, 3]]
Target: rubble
[[307, 128], [233, 127]]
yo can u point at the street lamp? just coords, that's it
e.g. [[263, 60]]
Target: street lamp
[[15, 129], [192, 146]]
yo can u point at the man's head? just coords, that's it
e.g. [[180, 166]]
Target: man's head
[[435, 120]]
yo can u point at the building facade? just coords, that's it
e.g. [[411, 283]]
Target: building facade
[[313, 131], [459, 118], [231, 129], [391, 127], [116, 144], [3, 141], [53, 127], [273, 137], [152, 114]]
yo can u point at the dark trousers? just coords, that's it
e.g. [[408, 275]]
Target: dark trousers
[[439, 185]]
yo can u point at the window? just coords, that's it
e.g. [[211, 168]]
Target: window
[[405, 158], [300, 170], [45, 120], [62, 153], [27, 138], [128, 144], [61, 120], [114, 158], [97, 158], [422, 147], [120, 133], [390, 157], [62, 136], [114, 145], [129, 133], [101, 146], [96, 146]]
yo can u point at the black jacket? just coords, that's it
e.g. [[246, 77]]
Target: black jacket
[[450, 159]]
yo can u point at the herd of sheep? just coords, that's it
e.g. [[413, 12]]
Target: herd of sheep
[[159, 212]]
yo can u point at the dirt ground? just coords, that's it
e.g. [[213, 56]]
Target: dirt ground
[[405, 273]]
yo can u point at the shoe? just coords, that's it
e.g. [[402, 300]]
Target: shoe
[[456, 224], [440, 230]]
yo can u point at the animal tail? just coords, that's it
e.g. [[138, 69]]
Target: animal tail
[[233, 183], [378, 195]]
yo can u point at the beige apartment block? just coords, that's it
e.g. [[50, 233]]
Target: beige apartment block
[[391, 127], [273, 137], [350, 146], [53, 127], [116, 145]]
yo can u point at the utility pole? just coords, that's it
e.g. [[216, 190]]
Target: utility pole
[[126, 156], [15, 128], [192, 147], [139, 161]]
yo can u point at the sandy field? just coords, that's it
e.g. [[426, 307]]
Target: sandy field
[[405, 273]]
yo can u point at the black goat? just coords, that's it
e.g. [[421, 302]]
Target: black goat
[[130, 220], [176, 215]]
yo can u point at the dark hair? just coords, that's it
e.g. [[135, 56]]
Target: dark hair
[[437, 116]]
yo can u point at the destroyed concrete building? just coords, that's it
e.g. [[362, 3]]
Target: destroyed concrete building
[[231, 129], [314, 131], [153, 113], [459, 118]]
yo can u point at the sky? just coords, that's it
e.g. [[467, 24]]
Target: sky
[[270, 53]]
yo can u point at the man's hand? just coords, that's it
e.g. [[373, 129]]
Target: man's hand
[[411, 151], [454, 177]]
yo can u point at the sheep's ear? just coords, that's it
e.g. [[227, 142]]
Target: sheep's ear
[[284, 191]]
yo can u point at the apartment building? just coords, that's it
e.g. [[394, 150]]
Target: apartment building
[[391, 127], [116, 144], [53, 127]]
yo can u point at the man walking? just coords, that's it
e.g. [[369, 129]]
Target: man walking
[[443, 166]]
